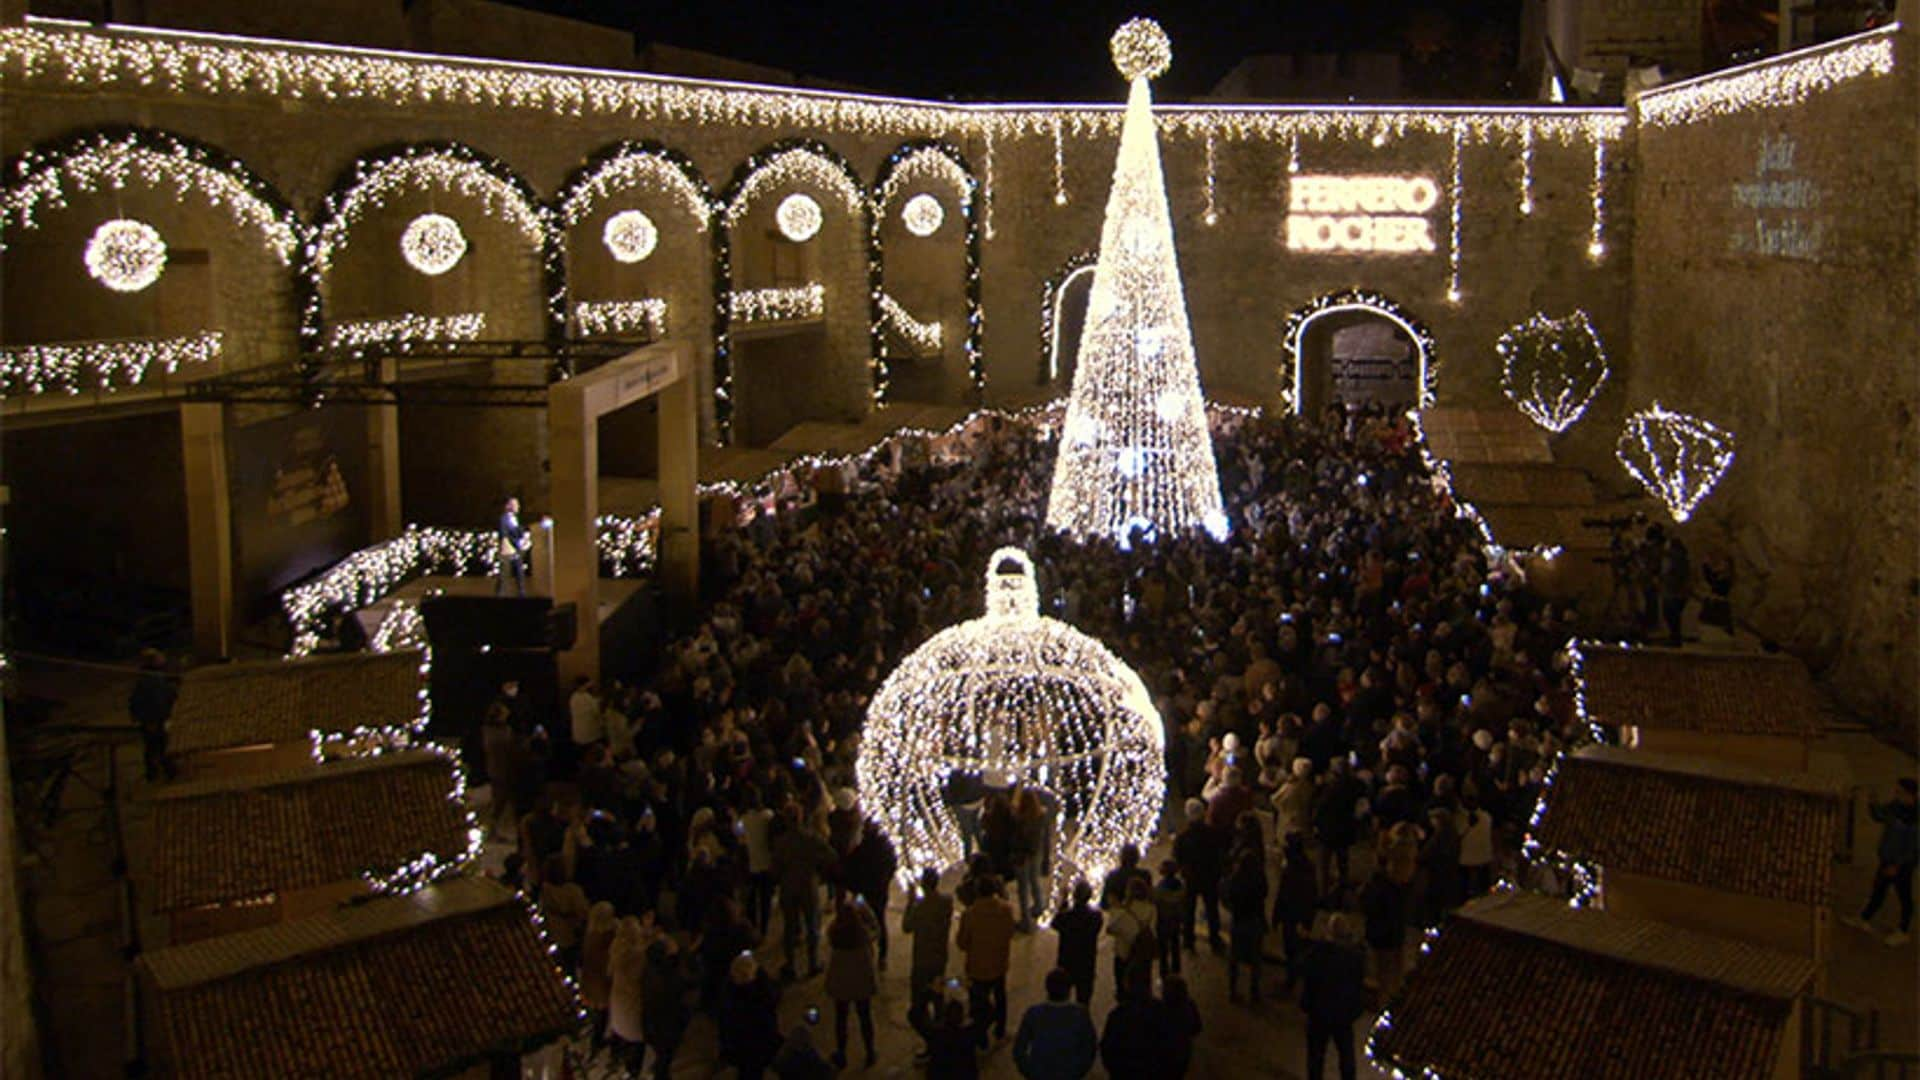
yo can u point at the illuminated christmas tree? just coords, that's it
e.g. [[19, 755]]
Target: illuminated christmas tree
[[1135, 451]]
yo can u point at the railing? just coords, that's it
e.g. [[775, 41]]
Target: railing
[[1821, 1058], [1882, 1065]]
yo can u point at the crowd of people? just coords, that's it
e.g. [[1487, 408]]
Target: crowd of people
[[1346, 672]]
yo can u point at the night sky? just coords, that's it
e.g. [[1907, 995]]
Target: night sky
[[996, 50]]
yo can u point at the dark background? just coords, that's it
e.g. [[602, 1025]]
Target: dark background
[[996, 50]]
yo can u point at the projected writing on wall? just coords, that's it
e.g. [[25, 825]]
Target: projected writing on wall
[[1360, 214], [1782, 204]]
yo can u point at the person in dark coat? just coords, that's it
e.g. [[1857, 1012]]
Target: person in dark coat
[[1899, 852], [1179, 1025], [952, 1052], [1335, 824], [868, 870], [1201, 849], [663, 1003], [1383, 903], [799, 857], [1056, 1040], [1079, 930], [749, 1018], [1247, 903], [1295, 900], [1132, 1046], [1334, 995], [929, 918], [151, 704]]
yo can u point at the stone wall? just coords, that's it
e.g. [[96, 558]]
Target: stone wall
[[1775, 294]]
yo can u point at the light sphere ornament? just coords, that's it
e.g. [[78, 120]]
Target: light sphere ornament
[[923, 215], [433, 244], [1019, 698], [630, 236], [799, 217], [126, 255], [1141, 49]]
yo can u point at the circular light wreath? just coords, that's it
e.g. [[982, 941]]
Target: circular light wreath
[[799, 217], [1019, 696], [126, 255], [630, 236], [1348, 299], [433, 244], [923, 215]]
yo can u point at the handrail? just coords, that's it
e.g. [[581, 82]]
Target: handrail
[[1820, 1058], [1881, 1065]]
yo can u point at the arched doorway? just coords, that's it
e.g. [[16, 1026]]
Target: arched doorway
[[1359, 349], [1063, 312]]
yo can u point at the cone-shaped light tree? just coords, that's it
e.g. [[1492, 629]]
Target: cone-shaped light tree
[[1135, 451]]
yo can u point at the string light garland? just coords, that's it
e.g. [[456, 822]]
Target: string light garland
[[629, 236], [1453, 222], [1052, 296], [1597, 240], [125, 255], [100, 365], [1775, 82], [987, 193], [1552, 368], [1293, 333], [1210, 214], [601, 317], [1293, 152], [1678, 458], [433, 244], [644, 167], [920, 163], [1135, 453], [1526, 170], [922, 215], [1020, 696], [779, 305], [410, 327], [797, 165], [923, 337]]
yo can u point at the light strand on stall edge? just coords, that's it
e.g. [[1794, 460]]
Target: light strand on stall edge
[[1211, 215], [1059, 167], [70, 366], [750, 306]]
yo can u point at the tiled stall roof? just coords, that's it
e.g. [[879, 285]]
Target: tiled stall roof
[[277, 701], [1727, 693]]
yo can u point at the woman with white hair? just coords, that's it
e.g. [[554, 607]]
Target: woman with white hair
[[626, 964]]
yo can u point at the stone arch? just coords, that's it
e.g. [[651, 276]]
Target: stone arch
[[909, 168], [139, 163], [789, 162], [1347, 300], [459, 171]]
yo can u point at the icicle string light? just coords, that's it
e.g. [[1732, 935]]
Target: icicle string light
[[1059, 167], [1018, 698], [100, 365], [405, 328], [1211, 214], [1775, 82], [1293, 152], [426, 168], [597, 317], [1597, 240], [643, 168], [1552, 368], [986, 196], [1526, 170], [1677, 458], [1135, 453], [1453, 221], [779, 305]]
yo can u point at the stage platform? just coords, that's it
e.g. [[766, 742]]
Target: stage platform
[[613, 593]]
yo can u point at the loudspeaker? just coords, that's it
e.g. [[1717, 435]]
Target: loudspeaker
[[495, 622]]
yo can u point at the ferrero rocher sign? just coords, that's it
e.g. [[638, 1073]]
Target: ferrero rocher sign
[[1360, 214]]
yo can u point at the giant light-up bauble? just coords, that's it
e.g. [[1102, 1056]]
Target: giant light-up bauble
[[433, 244], [1021, 695], [798, 217]]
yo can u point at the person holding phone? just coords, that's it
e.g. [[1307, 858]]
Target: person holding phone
[[929, 920]]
